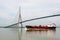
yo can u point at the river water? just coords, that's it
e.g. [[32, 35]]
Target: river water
[[13, 34]]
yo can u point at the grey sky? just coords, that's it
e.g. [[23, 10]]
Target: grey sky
[[29, 9]]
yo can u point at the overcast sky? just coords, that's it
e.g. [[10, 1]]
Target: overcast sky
[[29, 9]]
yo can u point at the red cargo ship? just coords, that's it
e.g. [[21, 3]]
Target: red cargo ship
[[41, 27]]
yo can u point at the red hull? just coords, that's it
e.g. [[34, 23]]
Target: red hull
[[39, 27]]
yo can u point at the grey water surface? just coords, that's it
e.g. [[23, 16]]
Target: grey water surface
[[12, 34]]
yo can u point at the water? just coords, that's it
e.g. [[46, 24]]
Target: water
[[8, 34], [12, 34]]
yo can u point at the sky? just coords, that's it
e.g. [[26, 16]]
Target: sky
[[29, 9]]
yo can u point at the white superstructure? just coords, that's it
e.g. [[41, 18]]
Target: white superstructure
[[51, 25]]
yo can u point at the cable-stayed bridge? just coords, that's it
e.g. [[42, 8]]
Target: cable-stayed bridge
[[33, 19]]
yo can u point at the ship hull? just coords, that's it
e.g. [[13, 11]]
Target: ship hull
[[39, 28]]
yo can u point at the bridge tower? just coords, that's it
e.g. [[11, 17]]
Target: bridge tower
[[19, 25], [20, 18]]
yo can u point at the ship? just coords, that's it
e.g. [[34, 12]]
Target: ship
[[41, 27]]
